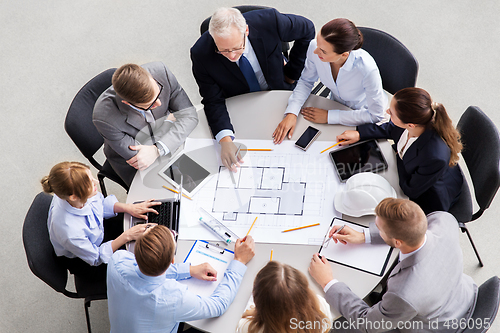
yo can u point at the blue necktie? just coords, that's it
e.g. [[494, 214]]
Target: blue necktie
[[249, 74]]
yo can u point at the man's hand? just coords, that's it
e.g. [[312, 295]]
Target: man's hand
[[228, 154], [346, 235], [286, 126], [145, 156], [203, 272], [139, 210], [315, 115], [320, 270], [349, 137], [136, 231], [244, 249]]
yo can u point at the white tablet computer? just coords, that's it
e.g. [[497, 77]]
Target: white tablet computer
[[195, 176]]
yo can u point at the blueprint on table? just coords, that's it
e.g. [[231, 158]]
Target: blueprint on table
[[285, 188]]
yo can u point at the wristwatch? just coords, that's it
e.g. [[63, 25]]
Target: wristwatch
[[161, 151]]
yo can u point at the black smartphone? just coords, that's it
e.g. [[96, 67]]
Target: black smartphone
[[309, 135]]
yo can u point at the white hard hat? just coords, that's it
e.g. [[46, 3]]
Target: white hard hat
[[362, 193]]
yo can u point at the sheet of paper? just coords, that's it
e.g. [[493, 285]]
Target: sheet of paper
[[200, 254], [285, 188], [370, 258]]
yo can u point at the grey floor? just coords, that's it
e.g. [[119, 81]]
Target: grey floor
[[49, 49]]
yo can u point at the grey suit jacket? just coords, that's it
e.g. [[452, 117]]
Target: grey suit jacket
[[121, 126], [427, 287]]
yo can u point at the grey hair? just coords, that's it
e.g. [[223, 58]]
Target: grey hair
[[223, 19]]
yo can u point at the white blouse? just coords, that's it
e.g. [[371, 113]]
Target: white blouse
[[358, 86]]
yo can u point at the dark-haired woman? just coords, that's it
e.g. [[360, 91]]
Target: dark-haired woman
[[283, 302], [426, 144], [336, 58]]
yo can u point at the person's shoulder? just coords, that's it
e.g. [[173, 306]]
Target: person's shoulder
[[441, 222], [364, 61], [105, 104], [201, 46], [154, 66]]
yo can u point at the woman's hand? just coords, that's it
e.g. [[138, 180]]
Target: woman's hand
[[349, 137], [315, 115], [287, 125], [139, 210]]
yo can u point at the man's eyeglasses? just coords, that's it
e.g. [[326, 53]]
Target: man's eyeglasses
[[233, 50], [149, 108]]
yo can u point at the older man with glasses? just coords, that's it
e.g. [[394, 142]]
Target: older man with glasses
[[143, 292], [241, 53], [145, 114]]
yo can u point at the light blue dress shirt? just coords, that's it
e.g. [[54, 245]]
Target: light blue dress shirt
[[140, 303], [249, 53], [358, 86], [78, 232]]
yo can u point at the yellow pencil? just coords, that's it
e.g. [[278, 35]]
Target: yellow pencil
[[298, 228], [251, 226], [254, 149], [175, 191], [332, 146], [271, 259]]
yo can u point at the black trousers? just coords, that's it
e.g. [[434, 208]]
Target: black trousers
[[113, 227]]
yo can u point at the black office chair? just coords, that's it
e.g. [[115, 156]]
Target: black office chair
[[81, 129], [285, 47], [488, 298], [43, 261], [397, 65], [481, 153]]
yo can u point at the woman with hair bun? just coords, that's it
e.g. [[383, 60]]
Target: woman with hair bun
[[427, 147], [336, 58], [283, 302], [83, 226]]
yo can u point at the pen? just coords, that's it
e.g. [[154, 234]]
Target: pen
[[230, 172], [336, 232], [298, 228], [252, 225], [271, 259], [332, 146], [170, 189]]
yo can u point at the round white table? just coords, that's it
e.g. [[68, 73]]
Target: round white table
[[255, 116]]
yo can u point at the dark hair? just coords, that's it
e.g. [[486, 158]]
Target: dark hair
[[281, 293], [154, 250], [404, 219], [415, 106], [133, 83], [68, 178], [343, 35]]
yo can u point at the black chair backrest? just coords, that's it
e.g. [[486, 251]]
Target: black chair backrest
[[41, 257], [397, 65], [78, 123], [488, 298], [242, 9], [481, 153]]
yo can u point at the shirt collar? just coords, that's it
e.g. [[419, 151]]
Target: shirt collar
[[349, 64], [406, 255], [84, 211], [157, 280]]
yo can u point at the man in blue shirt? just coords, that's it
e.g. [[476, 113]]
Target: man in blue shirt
[[144, 296]]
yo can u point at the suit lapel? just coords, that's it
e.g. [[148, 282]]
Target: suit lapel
[[412, 152], [417, 257], [260, 49], [134, 118]]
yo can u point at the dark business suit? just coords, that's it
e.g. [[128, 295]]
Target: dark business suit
[[424, 290], [424, 172], [218, 78]]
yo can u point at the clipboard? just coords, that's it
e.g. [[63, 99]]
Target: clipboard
[[217, 256], [368, 258]]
